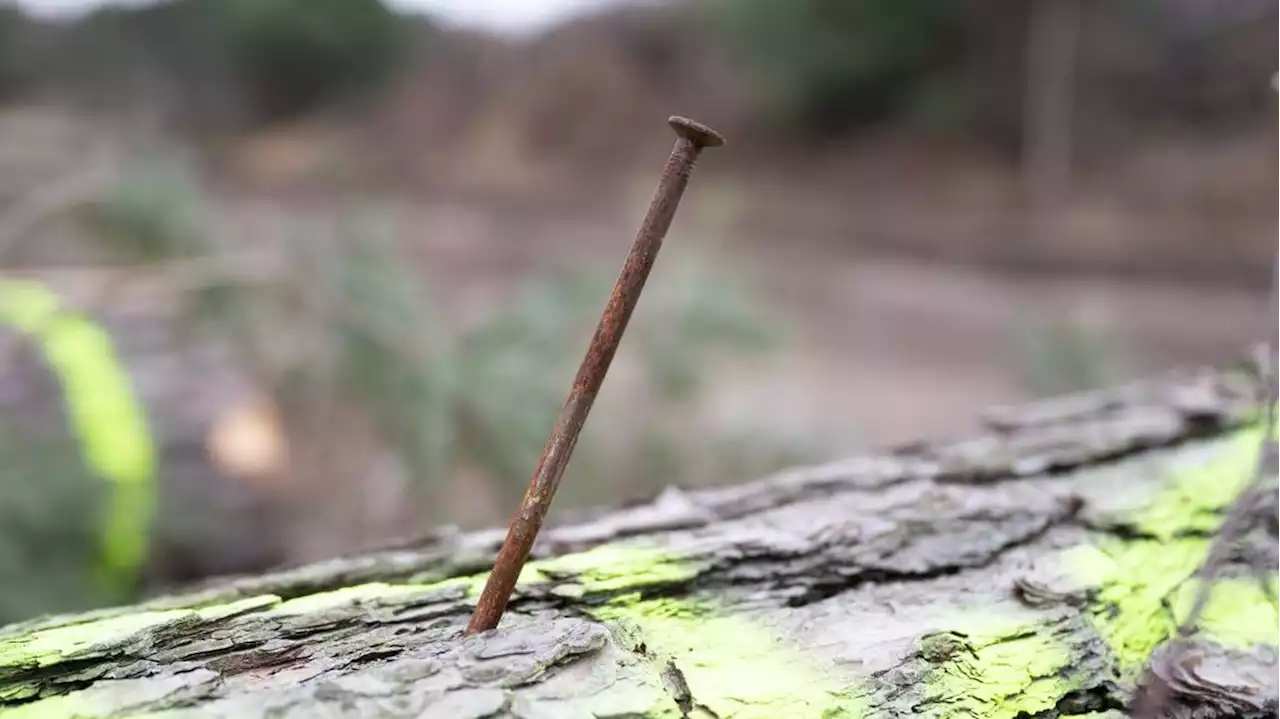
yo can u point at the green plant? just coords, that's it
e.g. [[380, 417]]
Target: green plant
[[216, 65], [1058, 357], [51, 522], [337, 318], [291, 55], [486, 395], [825, 65], [18, 70], [155, 212]]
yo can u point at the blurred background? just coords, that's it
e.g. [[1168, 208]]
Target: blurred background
[[287, 279]]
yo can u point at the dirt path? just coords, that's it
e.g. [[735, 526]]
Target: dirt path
[[897, 350]]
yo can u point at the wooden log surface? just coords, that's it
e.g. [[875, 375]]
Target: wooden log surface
[[1029, 571]]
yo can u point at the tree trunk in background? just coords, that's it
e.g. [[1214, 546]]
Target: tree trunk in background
[[1027, 572], [1047, 126]]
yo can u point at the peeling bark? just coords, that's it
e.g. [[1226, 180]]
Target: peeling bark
[[1016, 574]]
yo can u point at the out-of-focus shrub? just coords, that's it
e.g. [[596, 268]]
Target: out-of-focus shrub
[[1064, 356], [221, 63], [51, 528], [292, 55], [153, 213], [16, 68], [347, 315], [825, 65]]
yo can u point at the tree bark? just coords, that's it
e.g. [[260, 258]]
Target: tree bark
[[1026, 572]]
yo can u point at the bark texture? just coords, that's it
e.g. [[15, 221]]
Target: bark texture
[[1026, 572]]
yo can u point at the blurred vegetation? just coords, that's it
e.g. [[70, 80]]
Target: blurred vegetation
[[153, 214], [821, 67], [824, 66], [52, 522], [215, 64], [361, 319], [17, 70], [1065, 356], [343, 320], [828, 67], [292, 55]]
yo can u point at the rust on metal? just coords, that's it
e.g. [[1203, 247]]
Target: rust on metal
[[691, 138]]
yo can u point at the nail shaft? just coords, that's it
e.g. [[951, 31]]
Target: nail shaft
[[692, 138]]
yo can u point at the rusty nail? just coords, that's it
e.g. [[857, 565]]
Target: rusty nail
[[692, 137]]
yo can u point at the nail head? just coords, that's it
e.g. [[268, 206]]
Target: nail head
[[696, 132]]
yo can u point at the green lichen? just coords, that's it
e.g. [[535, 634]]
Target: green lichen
[[360, 593], [1140, 589], [1129, 610], [1144, 587], [608, 569], [69, 706], [18, 692], [52, 646], [111, 698], [995, 667], [732, 665], [1239, 613], [1197, 495], [601, 571]]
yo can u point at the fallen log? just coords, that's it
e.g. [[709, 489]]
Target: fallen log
[[1030, 571]]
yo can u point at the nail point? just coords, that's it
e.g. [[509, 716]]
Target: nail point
[[695, 132]]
